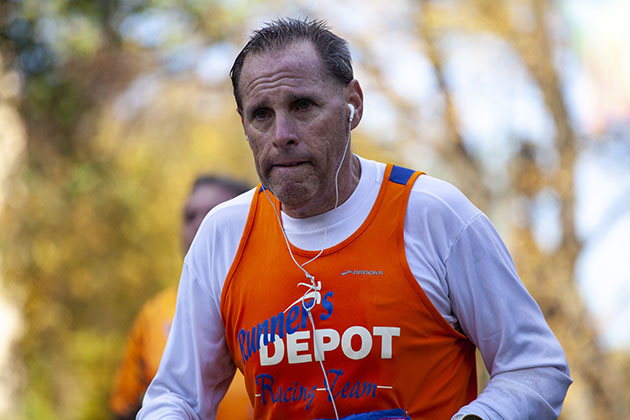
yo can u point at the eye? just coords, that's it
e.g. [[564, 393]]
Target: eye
[[261, 113], [303, 104], [189, 215]]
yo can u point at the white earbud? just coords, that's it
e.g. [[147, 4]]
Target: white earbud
[[351, 113]]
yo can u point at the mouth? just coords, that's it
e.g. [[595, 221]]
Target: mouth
[[288, 163]]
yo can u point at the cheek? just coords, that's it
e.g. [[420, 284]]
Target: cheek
[[332, 143], [255, 147], [261, 152]]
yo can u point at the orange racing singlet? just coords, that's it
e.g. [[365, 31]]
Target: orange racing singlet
[[381, 341]]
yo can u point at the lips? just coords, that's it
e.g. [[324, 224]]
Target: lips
[[289, 163], [285, 163]]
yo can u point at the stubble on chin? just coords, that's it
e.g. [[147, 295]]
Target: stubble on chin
[[299, 198], [291, 194]]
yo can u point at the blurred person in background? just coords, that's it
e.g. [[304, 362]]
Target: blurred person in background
[[147, 337]]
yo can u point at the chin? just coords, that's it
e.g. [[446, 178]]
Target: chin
[[292, 195]]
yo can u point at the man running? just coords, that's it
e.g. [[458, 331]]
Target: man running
[[342, 286]]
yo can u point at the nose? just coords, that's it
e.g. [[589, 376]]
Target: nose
[[285, 133]]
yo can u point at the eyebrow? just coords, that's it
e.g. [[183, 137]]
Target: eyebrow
[[291, 99]]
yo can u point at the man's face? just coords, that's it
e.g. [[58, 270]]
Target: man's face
[[295, 117], [199, 203]]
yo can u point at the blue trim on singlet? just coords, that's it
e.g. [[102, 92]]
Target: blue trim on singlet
[[262, 188], [395, 414], [400, 175]]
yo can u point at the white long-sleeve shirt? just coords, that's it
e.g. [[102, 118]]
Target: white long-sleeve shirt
[[454, 253]]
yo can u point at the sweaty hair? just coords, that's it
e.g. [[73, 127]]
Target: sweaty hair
[[232, 185], [279, 34]]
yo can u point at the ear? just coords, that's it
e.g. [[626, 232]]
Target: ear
[[240, 114], [353, 94]]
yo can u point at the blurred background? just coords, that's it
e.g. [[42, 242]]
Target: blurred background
[[109, 108]]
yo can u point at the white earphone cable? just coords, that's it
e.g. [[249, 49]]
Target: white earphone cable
[[313, 286]]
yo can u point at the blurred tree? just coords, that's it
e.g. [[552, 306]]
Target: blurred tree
[[91, 229], [549, 274]]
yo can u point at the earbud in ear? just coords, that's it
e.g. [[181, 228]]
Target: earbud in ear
[[351, 117]]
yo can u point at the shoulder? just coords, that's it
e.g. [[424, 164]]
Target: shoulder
[[160, 306], [230, 211], [429, 194], [217, 239], [437, 215], [432, 197], [227, 218], [442, 200], [164, 299]]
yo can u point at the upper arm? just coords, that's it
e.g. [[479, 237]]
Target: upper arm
[[492, 305]]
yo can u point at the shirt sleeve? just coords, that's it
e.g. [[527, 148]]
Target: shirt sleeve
[[196, 367], [529, 374]]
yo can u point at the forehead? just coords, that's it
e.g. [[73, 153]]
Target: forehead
[[297, 66]]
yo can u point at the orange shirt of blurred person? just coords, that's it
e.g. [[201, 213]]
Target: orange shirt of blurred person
[[145, 344]]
